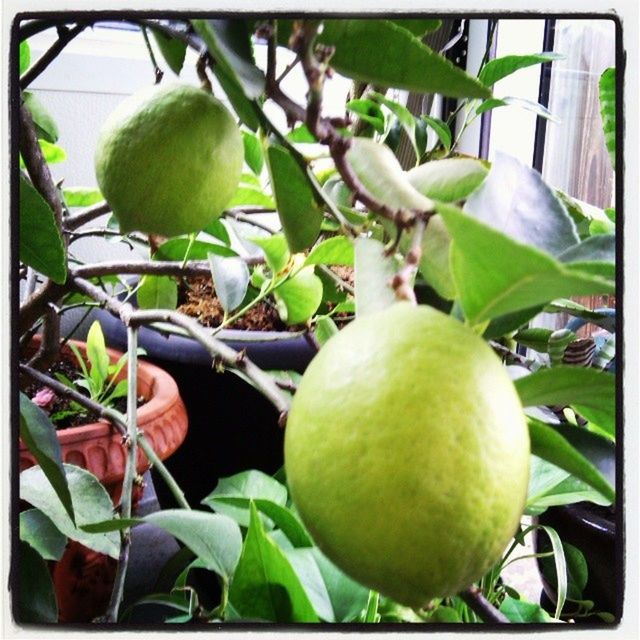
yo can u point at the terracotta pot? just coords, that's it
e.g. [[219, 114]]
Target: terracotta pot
[[98, 446]]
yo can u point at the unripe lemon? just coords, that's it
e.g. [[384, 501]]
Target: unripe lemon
[[168, 160], [407, 453]]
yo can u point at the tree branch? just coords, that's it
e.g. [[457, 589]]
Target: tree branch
[[474, 599], [86, 215]]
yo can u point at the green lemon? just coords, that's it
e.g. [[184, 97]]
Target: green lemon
[[168, 160], [407, 453]]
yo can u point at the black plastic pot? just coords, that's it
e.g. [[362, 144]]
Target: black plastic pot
[[232, 427], [589, 527]]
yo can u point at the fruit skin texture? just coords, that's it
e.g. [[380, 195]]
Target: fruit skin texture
[[407, 453], [168, 160]]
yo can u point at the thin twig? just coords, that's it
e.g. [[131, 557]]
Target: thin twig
[[474, 599], [342, 284], [402, 282], [66, 35], [159, 73], [86, 215]]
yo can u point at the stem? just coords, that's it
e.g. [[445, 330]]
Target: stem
[[402, 282], [130, 472], [159, 73], [86, 215], [66, 35], [474, 599]]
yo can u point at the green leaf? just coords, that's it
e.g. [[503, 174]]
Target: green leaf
[[325, 329], [253, 155], [81, 196], [46, 127], [229, 42], [550, 445], [40, 240], [299, 214], [39, 434], [218, 230], [499, 68], [516, 201], [381, 174], [172, 50], [373, 273], [566, 385], [91, 503], [418, 28], [230, 280], [577, 571], [276, 251], [265, 585], [115, 524], [332, 251], [249, 484], [368, 111], [37, 604], [348, 597], [435, 264], [600, 248], [601, 227], [97, 350], [523, 103], [517, 276], [448, 180], [301, 134], [250, 195], [405, 118], [52, 152], [24, 57], [380, 52], [214, 538], [607, 87], [299, 297], [522, 611], [248, 111], [441, 129], [176, 249], [157, 292], [560, 569], [37, 530]]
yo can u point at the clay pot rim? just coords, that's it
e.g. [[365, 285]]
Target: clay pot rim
[[163, 392]]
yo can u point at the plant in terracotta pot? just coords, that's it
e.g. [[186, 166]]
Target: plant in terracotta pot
[[410, 450]]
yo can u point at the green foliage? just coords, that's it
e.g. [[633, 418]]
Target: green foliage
[[499, 68], [46, 128], [157, 292], [373, 272], [81, 196], [38, 531], [24, 57], [230, 280], [172, 49], [607, 88], [37, 604]]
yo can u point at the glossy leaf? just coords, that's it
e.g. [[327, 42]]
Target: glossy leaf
[[607, 88], [38, 530], [265, 585], [250, 195], [441, 129], [306, 568], [381, 174], [348, 597], [521, 611], [576, 386], [577, 571], [52, 153], [434, 263], [253, 155], [176, 249], [172, 50], [46, 127], [247, 110], [515, 200], [91, 503], [81, 196], [517, 277], [229, 42], [600, 248], [560, 568], [299, 297], [418, 27], [24, 57], [249, 484], [40, 240], [332, 251], [325, 329], [230, 280], [523, 103], [214, 538], [297, 208], [404, 116], [448, 180], [368, 111], [39, 434], [373, 274], [550, 445], [504, 66], [97, 350], [157, 292], [403, 61], [275, 250], [37, 604]]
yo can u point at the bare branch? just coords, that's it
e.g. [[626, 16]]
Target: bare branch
[[86, 215], [474, 599]]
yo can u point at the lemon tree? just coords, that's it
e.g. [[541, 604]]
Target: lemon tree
[[168, 160], [407, 452]]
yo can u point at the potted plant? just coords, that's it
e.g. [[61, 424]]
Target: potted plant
[[394, 419]]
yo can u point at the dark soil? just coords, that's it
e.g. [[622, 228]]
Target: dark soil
[[197, 299], [61, 410]]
